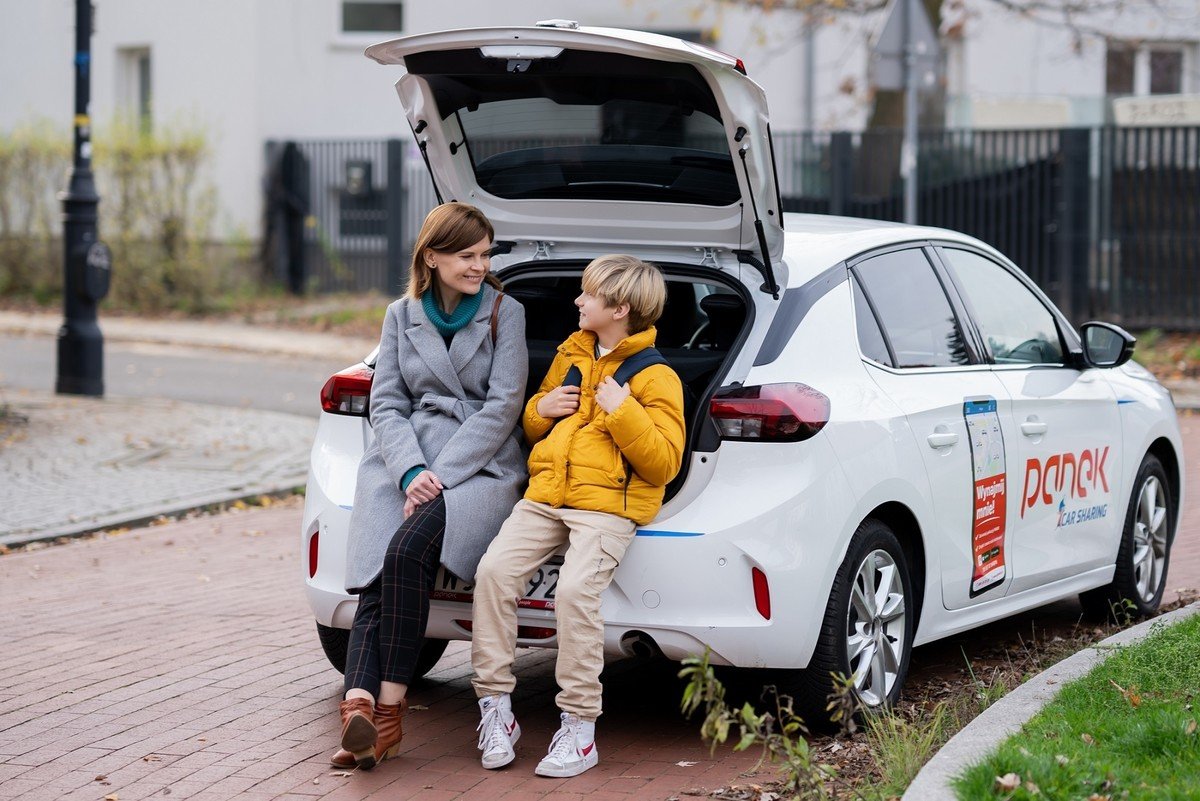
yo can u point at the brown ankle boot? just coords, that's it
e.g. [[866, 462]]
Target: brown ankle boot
[[359, 735], [389, 720]]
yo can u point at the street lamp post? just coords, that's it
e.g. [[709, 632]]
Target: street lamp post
[[87, 263]]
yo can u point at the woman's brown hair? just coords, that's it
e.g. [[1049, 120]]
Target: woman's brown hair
[[449, 228]]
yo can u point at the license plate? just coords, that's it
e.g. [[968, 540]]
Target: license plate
[[538, 595]]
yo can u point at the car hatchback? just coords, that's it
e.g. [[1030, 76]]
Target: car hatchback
[[893, 436]]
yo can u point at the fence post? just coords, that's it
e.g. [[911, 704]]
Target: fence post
[[395, 216], [1073, 230], [841, 172]]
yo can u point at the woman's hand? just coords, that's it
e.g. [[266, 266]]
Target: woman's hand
[[410, 506], [559, 402], [425, 487]]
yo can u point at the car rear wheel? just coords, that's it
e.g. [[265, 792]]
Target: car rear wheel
[[1141, 570], [867, 630], [336, 642]]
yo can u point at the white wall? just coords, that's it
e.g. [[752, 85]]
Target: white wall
[[252, 70]]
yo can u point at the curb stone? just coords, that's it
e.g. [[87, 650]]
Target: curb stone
[[1006, 717]]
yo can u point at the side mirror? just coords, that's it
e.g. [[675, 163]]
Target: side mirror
[[1106, 345]]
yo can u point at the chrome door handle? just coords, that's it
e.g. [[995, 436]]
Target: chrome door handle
[[1032, 428], [942, 439]]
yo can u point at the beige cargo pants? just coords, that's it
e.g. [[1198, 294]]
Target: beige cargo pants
[[534, 531]]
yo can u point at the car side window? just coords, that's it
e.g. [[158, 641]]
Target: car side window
[[870, 338], [1016, 325], [913, 309]]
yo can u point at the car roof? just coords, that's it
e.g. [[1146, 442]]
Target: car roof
[[816, 242]]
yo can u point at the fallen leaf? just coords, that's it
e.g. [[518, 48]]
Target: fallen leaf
[[1024, 751], [342, 774], [1098, 797], [315, 781], [1087, 738], [1008, 782], [685, 764], [152, 758], [111, 797], [1061, 760], [100, 778], [1032, 788], [1191, 727], [417, 707], [83, 441], [203, 577]]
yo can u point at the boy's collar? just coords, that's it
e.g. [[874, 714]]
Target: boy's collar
[[583, 343]]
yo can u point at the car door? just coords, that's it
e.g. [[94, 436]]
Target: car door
[[1063, 424], [917, 351]]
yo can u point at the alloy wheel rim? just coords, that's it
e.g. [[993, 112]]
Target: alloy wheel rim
[[1149, 539], [875, 627]]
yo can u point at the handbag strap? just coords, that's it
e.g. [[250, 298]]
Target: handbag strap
[[496, 315]]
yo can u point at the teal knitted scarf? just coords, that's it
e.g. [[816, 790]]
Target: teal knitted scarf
[[448, 324]]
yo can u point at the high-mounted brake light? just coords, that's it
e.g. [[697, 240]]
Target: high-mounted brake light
[[349, 391], [769, 413]]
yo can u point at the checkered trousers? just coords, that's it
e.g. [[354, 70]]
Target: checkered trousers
[[393, 609]]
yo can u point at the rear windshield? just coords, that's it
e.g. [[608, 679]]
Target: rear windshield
[[596, 126]]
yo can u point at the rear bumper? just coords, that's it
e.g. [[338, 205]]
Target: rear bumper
[[685, 583]]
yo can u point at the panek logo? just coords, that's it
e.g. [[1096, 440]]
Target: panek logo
[[1086, 473]]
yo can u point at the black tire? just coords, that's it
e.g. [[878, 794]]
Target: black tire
[[1141, 575], [888, 634], [431, 652], [335, 643]]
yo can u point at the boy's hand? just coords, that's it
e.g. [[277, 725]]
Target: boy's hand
[[559, 402], [610, 394]]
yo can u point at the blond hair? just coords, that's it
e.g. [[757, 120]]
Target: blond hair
[[449, 228], [618, 279]]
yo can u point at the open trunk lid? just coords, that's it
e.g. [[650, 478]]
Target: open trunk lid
[[594, 135]]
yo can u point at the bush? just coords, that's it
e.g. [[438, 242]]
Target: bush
[[157, 213]]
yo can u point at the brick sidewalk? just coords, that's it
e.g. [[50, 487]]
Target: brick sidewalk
[[183, 658]]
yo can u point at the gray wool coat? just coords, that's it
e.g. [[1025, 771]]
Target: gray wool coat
[[455, 412]]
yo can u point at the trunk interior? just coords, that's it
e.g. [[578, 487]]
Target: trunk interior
[[702, 326]]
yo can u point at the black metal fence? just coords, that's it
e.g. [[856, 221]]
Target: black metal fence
[[1105, 220]]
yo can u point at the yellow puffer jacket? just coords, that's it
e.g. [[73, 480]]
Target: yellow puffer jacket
[[617, 463]]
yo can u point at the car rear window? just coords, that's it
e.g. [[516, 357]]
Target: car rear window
[[583, 125]]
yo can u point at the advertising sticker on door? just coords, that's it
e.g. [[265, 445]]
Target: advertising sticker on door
[[987, 458]]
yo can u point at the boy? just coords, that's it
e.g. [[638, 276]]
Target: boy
[[602, 454]]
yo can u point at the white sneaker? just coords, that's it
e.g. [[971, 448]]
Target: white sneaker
[[498, 731], [572, 751]]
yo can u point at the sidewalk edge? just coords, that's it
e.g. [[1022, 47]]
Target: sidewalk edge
[[1005, 717]]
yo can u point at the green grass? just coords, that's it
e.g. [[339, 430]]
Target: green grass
[[1126, 730]]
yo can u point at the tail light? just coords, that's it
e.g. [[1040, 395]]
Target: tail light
[[762, 593], [769, 413], [313, 548], [349, 391]]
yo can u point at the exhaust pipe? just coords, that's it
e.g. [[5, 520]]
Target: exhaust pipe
[[639, 645]]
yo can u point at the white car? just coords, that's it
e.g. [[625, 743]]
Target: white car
[[893, 436]]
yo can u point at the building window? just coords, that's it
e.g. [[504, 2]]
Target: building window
[[134, 91], [1155, 68], [1166, 72], [366, 16]]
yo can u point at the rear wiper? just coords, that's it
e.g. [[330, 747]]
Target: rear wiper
[[771, 285]]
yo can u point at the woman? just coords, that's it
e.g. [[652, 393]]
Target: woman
[[445, 468]]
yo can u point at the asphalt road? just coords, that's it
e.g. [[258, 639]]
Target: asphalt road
[[200, 375]]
